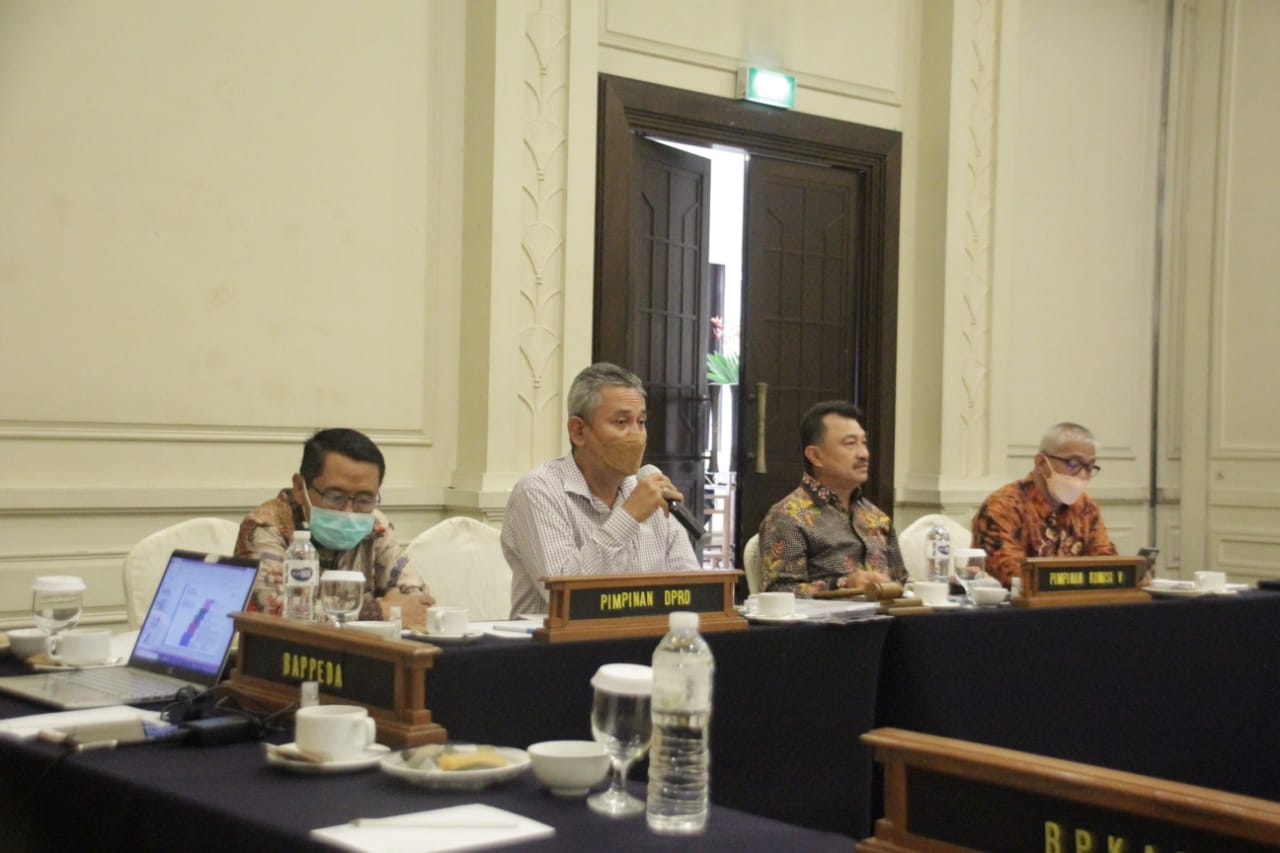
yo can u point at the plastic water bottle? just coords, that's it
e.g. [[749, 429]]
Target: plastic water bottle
[[680, 759], [937, 553], [301, 578]]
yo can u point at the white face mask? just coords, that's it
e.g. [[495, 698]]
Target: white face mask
[[1064, 488]]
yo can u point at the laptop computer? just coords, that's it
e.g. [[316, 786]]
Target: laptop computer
[[183, 641]]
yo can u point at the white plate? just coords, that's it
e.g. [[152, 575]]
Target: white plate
[[946, 605], [375, 753], [431, 776], [430, 637], [1174, 592], [66, 667], [791, 617]]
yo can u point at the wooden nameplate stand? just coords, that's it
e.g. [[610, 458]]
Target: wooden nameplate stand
[[600, 607], [1077, 581], [942, 794], [388, 677]]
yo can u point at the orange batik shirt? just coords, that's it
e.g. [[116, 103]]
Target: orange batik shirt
[[1017, 521]]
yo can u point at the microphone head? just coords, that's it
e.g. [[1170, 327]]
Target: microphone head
[[648, 471]]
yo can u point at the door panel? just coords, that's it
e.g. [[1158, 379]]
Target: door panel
[[801, 318], [665, 292]]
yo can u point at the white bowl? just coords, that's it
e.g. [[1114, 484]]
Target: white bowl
[[985, 596], [569, 767]]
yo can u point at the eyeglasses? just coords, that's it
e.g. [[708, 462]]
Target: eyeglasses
[[1076, 465], [338, 499]]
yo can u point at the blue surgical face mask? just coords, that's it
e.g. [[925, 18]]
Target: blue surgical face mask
[[336, 529]]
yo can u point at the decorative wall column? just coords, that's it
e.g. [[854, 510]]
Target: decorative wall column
[[524, 280]]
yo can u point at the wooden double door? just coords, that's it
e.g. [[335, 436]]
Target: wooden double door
[[819, 287]]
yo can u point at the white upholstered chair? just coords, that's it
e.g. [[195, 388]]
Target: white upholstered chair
[[752, 563], [145, 562], [461, 561], [912, 540]]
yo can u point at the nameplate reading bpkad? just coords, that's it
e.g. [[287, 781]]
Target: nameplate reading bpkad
[[1060, 581], [585, 607]]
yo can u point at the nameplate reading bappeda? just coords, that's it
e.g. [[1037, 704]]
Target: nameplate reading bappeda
[[1075, 581], [388, 677], [946, 794], [593, 607]]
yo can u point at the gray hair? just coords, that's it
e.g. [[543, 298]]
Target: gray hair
[[586, 392], [1060, 434]]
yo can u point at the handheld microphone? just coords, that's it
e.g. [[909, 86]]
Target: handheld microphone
[[678, 509]]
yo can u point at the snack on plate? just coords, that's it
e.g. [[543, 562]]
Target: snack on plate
[[483, 757]]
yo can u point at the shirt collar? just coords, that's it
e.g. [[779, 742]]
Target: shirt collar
[[822, 494], [575, 482]]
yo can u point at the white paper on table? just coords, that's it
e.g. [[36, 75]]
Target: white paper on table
[[29, 726], [471, 827]]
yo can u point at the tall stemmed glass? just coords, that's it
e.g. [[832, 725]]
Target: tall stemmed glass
[[57, 602], [620, 721], [341, 592]]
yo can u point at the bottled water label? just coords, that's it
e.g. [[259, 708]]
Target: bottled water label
[[302, 571], [682, 689]]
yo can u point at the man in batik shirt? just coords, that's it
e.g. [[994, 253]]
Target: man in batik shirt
[[1047, 514], [825, 535], [335, 493]]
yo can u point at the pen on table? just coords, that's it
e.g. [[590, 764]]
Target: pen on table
[[517, 629]]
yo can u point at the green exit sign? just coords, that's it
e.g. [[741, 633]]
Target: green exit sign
[[767, 87]]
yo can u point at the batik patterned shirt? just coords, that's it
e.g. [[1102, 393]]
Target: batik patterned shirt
[[810, 543], [1018, 521], [265, 535]]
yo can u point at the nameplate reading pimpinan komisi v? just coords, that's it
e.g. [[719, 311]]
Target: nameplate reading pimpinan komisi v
[[1060, 581], [585, 607]]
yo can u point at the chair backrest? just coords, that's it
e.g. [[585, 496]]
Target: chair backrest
[[752, 564], [461, 561], [912, 540], [145, 562]]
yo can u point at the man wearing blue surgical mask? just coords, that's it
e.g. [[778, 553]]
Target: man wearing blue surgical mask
[[335, 494]]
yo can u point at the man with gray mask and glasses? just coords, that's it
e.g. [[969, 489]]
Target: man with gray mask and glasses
[[1047, 514], [586, 513]]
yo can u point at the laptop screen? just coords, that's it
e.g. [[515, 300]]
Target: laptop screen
[[187, 631]]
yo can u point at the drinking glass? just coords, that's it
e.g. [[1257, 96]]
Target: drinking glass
[[342, 592], [970, 565], [620, 722], [56, 602]]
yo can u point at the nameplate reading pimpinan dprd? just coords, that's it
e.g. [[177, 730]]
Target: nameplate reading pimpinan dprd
[[585, 607]]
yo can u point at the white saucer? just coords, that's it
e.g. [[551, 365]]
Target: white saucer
[[946, 605], [432, 637], [277, 758], [67, 667], [790, 617]]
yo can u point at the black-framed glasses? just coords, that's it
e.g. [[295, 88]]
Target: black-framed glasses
[[1076, 465], [338, 499]]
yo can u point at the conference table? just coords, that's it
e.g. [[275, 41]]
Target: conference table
[[1185, 690]]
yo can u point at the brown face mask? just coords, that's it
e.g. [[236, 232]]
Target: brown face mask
[[624, 454]]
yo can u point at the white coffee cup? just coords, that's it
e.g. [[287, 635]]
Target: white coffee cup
[[81, 647], [26, 642], [1211, 581], [931, 592], [333, 732], [385, 630], [776, 605], [447, 620]]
